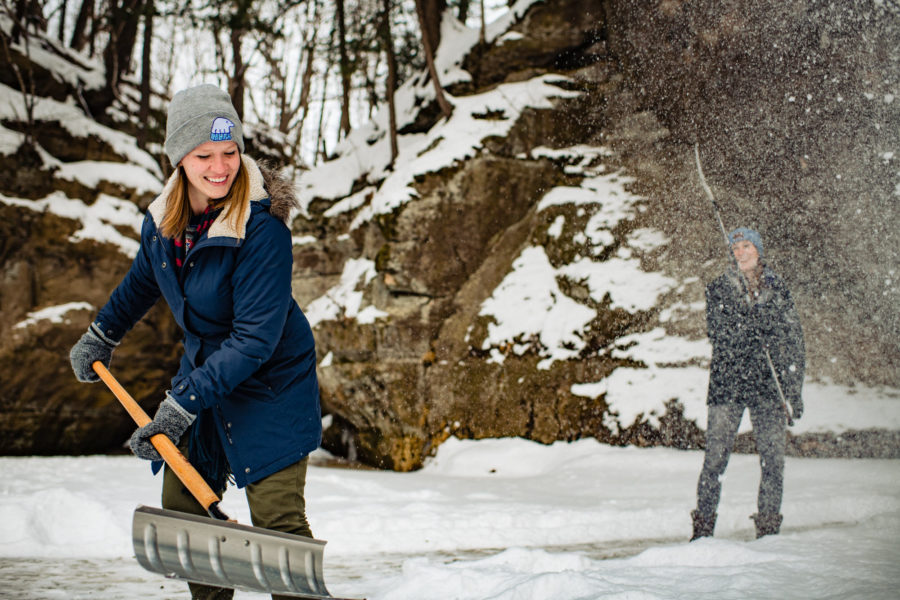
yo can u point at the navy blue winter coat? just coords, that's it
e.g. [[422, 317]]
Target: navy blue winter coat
[[249, 363], [741, 332]]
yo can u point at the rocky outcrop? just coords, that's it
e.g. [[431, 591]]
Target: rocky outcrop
[[564, 179], [43, 409], [71, 187], [792, 107]]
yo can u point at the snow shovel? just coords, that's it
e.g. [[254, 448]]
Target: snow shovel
[[216, 551]]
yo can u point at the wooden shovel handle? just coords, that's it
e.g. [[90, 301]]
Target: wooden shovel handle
[[170, 453]]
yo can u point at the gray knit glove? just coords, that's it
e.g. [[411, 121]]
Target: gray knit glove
[[92, 346], [171, 419]]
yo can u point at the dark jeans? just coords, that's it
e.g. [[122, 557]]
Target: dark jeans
[[276, 502], [769, 429]]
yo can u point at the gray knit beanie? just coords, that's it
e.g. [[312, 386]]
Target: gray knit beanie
[[200, 114], [750, 235]]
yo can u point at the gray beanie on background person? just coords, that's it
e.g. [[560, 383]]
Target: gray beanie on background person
[[197, 115], [750, 235]]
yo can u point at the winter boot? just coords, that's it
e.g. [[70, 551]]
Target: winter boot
[[703, 525], [208, 592], [767, 524]]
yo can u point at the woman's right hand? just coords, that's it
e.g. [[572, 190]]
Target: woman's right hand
[[92, 346], [171, 419]]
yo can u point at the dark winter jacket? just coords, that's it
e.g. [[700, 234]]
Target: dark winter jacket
[[740, 333], [249, 363]]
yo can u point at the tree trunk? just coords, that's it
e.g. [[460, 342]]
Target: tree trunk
[[305, 85], [85, 15], [240, 26], [306, 81], [391, 79], [27, 12], [237, 83], [463, 14], [131, 11], [320, 139], [27, 88], [344, 65], [144, 114], [432, 12], [429, 47], [481, 32], [63, 8], [123, 21]]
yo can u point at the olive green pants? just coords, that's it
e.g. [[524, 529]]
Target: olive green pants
[[276, 502]]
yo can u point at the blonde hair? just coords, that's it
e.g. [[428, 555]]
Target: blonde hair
[[178, 205]]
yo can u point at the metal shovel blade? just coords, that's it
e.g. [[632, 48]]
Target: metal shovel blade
[[225, 554]]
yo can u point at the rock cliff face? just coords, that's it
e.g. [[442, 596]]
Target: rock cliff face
[[49, 260], [792, 105], [576, 192]]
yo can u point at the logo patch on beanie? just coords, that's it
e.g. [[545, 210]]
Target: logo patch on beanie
[[221, 130], [737, 236]]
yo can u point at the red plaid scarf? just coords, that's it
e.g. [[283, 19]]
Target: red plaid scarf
[[197, 225]]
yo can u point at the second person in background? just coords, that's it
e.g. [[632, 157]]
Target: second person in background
[[749, 313]]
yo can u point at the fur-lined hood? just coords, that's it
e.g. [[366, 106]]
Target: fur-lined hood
[[264, 183]]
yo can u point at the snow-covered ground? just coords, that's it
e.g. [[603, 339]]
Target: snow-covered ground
[[492, 519]]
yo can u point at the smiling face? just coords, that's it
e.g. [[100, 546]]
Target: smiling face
[[211, 169], [746, 254]]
